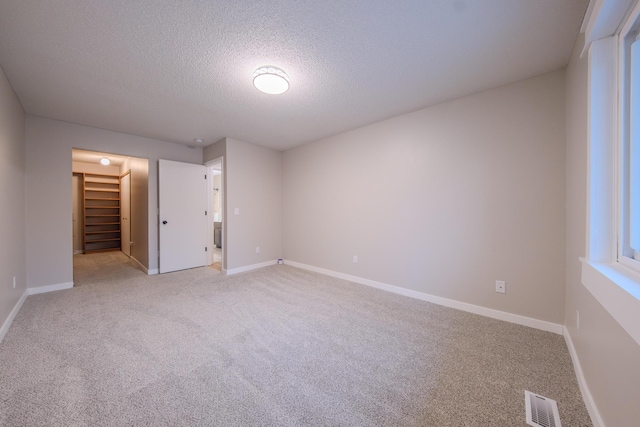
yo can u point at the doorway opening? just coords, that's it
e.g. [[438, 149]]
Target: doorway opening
[[215, 200], [110, 216]]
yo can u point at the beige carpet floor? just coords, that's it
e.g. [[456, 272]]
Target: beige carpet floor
[[272, 347], [100, 266]]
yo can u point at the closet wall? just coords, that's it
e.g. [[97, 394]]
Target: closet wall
[[139, 215], [83, 167]]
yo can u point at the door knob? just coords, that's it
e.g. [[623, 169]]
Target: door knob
[[164, 222]]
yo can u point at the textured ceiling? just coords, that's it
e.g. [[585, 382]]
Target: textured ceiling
[[179, 70]]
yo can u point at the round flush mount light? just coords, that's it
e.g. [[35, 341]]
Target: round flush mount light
[[105, 161], [271, 80], [198, 140]]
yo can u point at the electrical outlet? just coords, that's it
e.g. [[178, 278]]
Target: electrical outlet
[[14, 282], [257, 249], [236, 211], [501, 287], [577, 319], [355, 259]]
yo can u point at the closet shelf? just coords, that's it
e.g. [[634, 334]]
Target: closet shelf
[[106, 190], [100, 178], [102, 189], [101, 223], [102, 232], [103, 240]]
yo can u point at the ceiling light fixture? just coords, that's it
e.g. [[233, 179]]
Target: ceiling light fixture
[[271, 80], [105, 161], [198, 140]]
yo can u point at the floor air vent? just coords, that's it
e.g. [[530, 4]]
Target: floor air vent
[[541, 411]]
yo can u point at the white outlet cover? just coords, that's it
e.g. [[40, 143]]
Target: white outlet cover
[[355, 259], [236, 211], [501, 286]]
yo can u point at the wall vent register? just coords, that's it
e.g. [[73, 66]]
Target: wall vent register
[[541, 411]]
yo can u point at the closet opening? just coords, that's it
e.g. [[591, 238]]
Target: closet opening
[[110, 216]]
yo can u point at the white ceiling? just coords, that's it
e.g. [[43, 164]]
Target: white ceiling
[[179, 70]]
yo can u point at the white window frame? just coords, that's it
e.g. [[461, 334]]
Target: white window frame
[[631, 28], [611, 279]]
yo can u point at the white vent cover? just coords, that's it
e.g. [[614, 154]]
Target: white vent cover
[[541, 411]]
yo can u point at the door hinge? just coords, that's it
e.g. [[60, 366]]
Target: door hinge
[[205, 212], [205, 249], [205, 177]]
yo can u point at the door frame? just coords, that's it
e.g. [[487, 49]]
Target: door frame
[[122, 243], [210, 231]]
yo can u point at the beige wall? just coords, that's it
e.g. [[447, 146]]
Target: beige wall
[[48, 162], [253, 177], [214, 151], [473, 193], [140, 215], [608, 356], [12, 194], [252, 182]]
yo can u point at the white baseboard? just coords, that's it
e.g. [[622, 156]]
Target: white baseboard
[[145, 269], [476, 309], [250, 267], [152, 271], [12, 315], [596, 419], [27, 292], [49, 288]]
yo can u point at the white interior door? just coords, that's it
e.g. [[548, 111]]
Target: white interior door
[[182, 197], [125, 214]]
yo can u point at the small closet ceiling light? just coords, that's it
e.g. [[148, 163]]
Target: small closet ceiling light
[[105, 161], [271, 80]]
